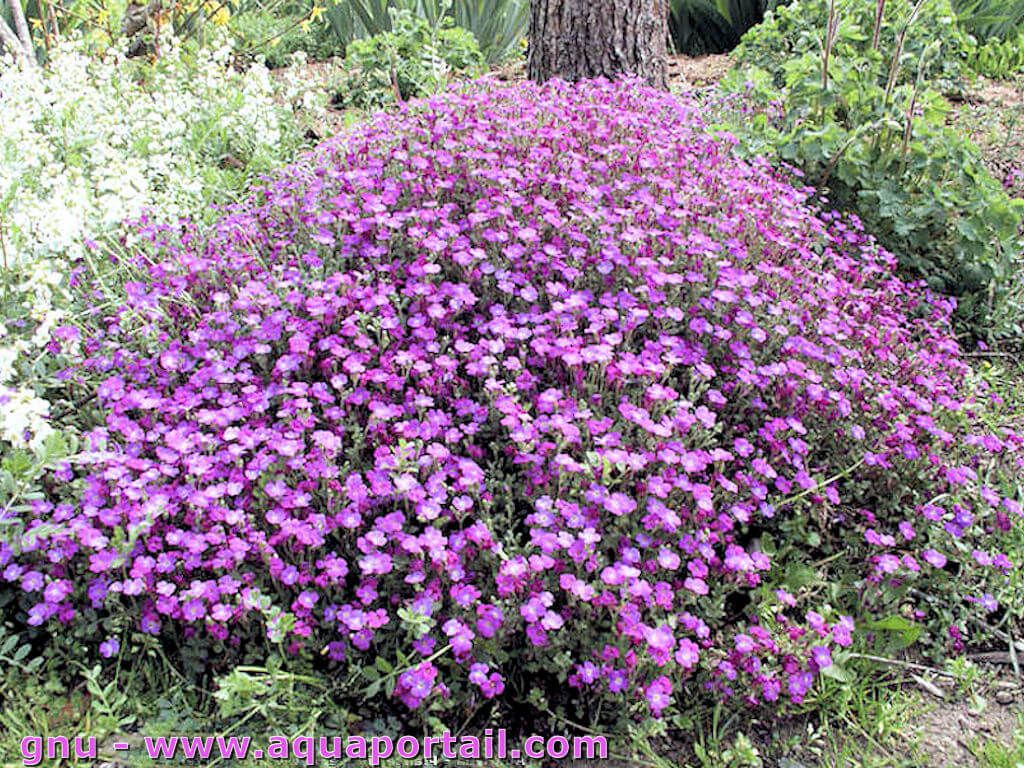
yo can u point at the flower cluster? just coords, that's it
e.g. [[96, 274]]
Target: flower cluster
[[513, 376], [90, 141]]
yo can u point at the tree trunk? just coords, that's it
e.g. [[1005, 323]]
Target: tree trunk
[[577, 39], [18, 40]]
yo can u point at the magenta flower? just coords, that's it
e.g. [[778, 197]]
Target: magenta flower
[[687, 654], [659, 695]]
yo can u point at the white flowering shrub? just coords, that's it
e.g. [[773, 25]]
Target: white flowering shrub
[[92, 140]]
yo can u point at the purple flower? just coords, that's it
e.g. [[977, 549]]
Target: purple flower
[[799, 685], [110, 647], [32, 581], [933, 558], [619, 504], [687, 654], [659, 695], [193, 610], [821, 657]]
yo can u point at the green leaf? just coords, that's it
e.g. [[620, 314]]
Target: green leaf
[[841, 674], [900, 630], [799, 576]]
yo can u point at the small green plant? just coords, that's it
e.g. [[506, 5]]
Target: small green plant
[[14, 659], [999, 754], [1000, 59], [869, 125], [412, 59], [276, 695], [967, 676], [276, 38], [499, 26], [111, 709], [713, 748]]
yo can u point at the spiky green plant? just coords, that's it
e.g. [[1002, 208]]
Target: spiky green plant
[[713, 26], [498, 25], [986, 19]]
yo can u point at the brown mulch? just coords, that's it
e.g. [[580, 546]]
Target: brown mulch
[[698, 71]]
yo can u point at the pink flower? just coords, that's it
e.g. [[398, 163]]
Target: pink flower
[[659, 695]]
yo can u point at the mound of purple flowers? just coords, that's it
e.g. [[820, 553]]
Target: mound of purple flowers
[[522, 376]]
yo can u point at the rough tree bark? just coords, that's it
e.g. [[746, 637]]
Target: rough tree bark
[[577, 39]]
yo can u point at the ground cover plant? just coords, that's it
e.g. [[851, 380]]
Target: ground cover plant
[[521, 393]]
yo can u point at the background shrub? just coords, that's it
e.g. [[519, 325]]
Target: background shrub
[[867, 124], [987, 19], [713, 26], [797, 29], [276, 37], [1000, 59], [499, 26]]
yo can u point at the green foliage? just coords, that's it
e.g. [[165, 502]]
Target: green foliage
[[22, 472], [15, 658], [997, 26], [741, 753], [414, 58], [276, 38], [868, 125], [278, 695], [499, 26], [357, 19], [796, 29], [987, 19], [698, 27], [110, 707], [998, 58]]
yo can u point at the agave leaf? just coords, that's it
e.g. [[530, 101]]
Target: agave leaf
[[713, 26]]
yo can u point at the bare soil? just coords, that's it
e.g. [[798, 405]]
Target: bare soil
[[949, 731], [992, 115]]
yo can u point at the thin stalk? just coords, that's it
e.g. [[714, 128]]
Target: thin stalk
[[3, 247], [920, 667], [819, 486], [894, 68], [879, 13], [834, 160], [43, 18], [56, 5], [908, 123], [396, 672], [830, 39]]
